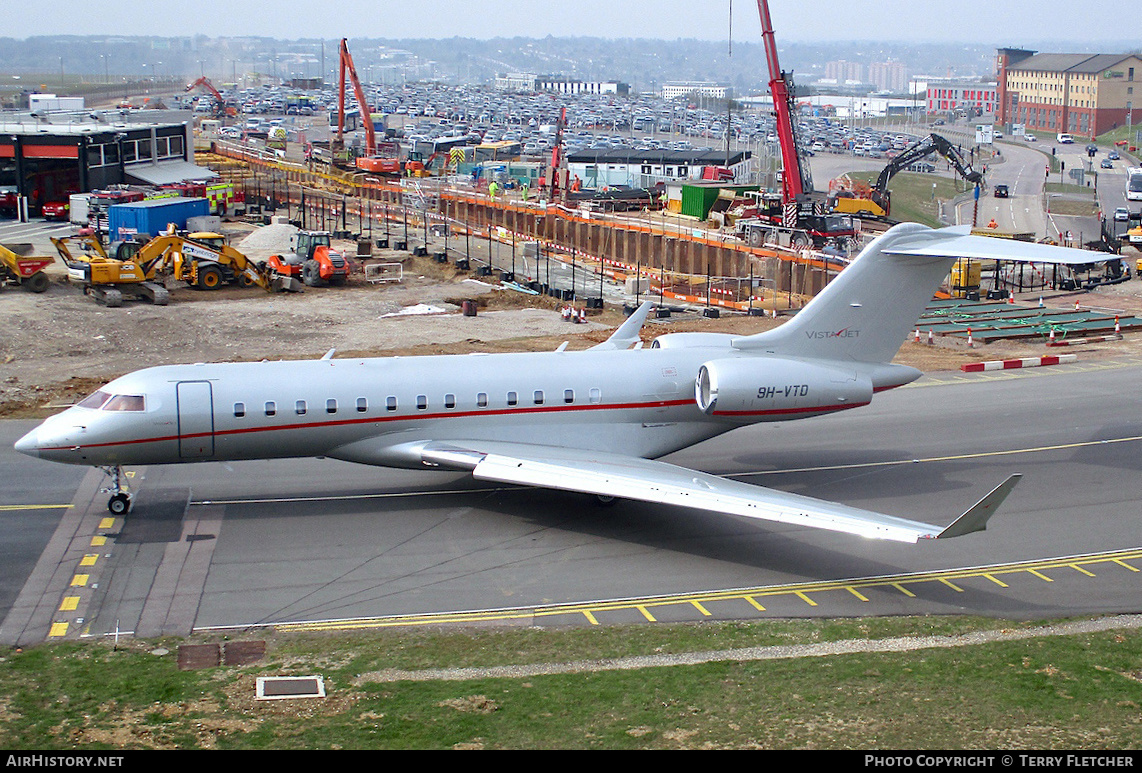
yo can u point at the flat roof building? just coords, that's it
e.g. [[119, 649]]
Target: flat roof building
[[46, 158]]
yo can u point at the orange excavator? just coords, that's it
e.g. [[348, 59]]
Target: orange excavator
[[220, 108]]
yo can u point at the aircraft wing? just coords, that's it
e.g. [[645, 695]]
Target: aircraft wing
[[613, 475]]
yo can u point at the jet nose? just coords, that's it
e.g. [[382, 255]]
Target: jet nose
[[29, 444]]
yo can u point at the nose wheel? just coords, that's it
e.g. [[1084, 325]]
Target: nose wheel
[[120, 501]]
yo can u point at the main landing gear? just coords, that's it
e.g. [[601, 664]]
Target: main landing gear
[[120, 501]]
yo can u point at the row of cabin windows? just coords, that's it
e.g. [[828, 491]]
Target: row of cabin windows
[[301, 408]]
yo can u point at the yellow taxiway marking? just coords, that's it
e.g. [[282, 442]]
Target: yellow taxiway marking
[[58, 630], [98, 541], [69, 604], [107, 523], [89, 559], [16, 508], [592, 610]]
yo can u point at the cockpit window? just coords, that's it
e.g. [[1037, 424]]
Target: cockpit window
[[125, 403], [94, 400]]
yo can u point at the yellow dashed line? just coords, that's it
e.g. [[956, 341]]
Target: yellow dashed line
[[79, 580], [70, 604], [98, 541], [58, 629], [107, 523], [89, 559], [701, 602]]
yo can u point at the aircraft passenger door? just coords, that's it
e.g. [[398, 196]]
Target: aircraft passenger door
[[195, 420]]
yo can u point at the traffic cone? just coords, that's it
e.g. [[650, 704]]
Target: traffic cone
[[931, 341], [971, 344], [917, 338], [1011, 299], [1040, 301], [1052, 339], [1076, 304], [1117, 327]]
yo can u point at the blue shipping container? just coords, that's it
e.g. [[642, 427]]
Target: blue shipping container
[[125, 221]]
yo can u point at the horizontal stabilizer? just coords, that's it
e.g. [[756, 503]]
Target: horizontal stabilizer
[[959, 242]]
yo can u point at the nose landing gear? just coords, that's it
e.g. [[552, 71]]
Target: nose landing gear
[[120, 501]]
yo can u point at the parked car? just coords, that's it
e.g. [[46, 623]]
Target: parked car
[[1001, 191]]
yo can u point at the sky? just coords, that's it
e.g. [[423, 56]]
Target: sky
[[1002, 22]]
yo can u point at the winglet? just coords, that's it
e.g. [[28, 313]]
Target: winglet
[[626, 334], [975, 519]]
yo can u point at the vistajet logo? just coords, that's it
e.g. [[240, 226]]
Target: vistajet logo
[[845, 333]]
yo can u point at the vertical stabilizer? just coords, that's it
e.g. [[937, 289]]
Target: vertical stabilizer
[[867, 311]]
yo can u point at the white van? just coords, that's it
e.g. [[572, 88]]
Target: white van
[[1064, 139]]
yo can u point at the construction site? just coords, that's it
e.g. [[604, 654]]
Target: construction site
[[168, 214]]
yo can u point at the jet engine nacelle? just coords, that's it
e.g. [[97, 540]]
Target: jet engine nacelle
[[760, 387]]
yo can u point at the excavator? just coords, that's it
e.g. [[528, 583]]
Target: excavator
[[221, 109], [858, 198], [202, 260]]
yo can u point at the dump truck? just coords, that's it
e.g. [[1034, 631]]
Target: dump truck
[[18, 266]]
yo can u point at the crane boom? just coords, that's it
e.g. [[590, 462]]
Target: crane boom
[[794, 182], [346, 64]]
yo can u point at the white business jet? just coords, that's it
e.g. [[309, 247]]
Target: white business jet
[[590, 421]]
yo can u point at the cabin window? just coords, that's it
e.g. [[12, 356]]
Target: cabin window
[[482, 400], [239, 410], [596, 395], [568, 396], [513, 398], [421, 402], [390, 403], [300, 407], [537, 398], [331, 405], [271, 408], [362, 404], [124, 403], [449, 401]]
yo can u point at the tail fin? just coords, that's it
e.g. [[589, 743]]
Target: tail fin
[[867, 311]]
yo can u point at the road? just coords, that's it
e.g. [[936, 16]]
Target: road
[[325, 544]]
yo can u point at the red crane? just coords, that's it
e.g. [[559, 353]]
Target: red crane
[[362, 102], [795, 181]]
